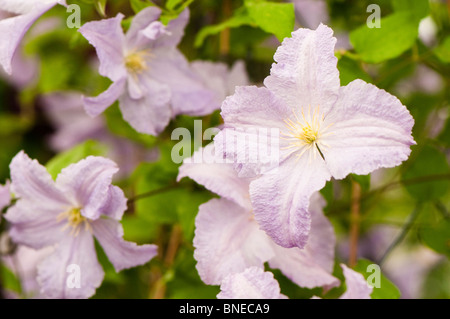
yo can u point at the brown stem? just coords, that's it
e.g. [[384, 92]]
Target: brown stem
[[225, 34], [354, 223], [159, 289]]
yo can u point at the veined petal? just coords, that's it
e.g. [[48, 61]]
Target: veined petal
[[281, 199], [175, 31], [96, 105], [74, 255], [357, 287], [139, 23], [220, 178], [151, 113], [109, 41], [254, 119], [227, 240], [306, 71], [30, 180], [189, 95], [122, 254], [253, 283], [312, 266], [115, 204], [13, 29], [34, 224], [371, 129], [87, 184]]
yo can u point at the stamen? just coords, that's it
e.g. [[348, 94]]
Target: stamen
[[135, 62], [74, 220]]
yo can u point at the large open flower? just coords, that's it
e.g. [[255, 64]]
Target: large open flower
[[325, 131], [228, 239], [152, 80], [67, 214]]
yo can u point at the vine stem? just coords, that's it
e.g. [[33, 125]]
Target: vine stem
[[354, 223], [225, 34], [406, 227]]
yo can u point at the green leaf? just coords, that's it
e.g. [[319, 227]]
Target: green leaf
[[443, 50], [275, 18], [425, 162], [387, 289], [418, 9], [76, 154], [434, 231], [397, 34], [350, 70], [240, 18], [138, 5], [9, 280]]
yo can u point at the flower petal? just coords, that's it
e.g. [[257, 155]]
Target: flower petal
[[96, 105], [357, 287], [13, 29], [312, 266], [372, 129], [30, 180], [253, 119], [109, 41], [281, 198], [306, 71], [35, 225], [138, 24], [151, 113], [87, 184], [220, 178], [175, 29], [122, 254], [55, 273], [227, 241], [253, 283], [189, 95]]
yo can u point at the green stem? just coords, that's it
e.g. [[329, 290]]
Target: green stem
[[406, 228]]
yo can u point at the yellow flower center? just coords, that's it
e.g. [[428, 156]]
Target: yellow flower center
[[74, 220], [136, 62], [306, 132]]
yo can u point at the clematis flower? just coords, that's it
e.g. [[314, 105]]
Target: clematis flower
[[18, 16], [152, 80], [67, 214], [325, 131], [228, 239], [252, 283]]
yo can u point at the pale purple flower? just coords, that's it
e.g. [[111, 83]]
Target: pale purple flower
[[228, 239], [219, 78], [252, 283], [16, 19], [67, 214], [73, 126], [325, 131], [152, 80], [23, 263]]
